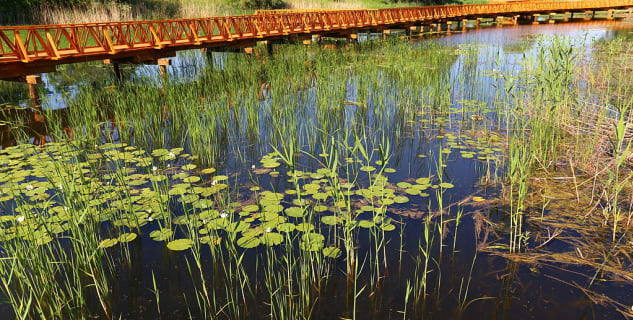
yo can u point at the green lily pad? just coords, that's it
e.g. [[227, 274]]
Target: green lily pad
[[248, 242], [388, 227], [107, 243], [250, 208], [305, 227], [127, 237], [366, 223], [403, 185], [161, 235], [179, 244], [332, 252], [295, 212], [446, 185], [330, 220], [271, 238]]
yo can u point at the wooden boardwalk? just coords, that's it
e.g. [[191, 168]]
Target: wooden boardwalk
[[27, 50]]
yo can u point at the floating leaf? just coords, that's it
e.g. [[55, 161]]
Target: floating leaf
[[107, 243], [271, 238], [305, 227], [366, 223], [330, 220], [403, 185], [388, 227], [161, 235], [286, 227], [295, 212], [127, 237], [446, 185], [423, 181], [250, 208], [332, 252], [367, 168], [179, 244], [208, 171], [248, 242]]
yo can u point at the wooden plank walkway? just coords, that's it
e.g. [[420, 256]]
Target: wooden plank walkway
[[26, 50]]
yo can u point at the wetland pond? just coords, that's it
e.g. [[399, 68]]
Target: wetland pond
[[480, 175]]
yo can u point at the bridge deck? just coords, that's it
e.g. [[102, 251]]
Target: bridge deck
[[31, 49]]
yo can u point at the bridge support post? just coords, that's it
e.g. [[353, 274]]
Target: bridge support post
[[117, 71], [588, 15], [449, 24], [34, 96], [566, 16], [464, 24], [385, 33], [535, 18], [412, 29], [515, 20], [209, 55], [421, 34], [477, 23], [249, 52], [162, 65], [439, 27], [551, 19], [610, 14], [352, 38], [499, 21]]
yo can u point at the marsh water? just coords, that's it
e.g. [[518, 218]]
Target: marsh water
[[443, 128]]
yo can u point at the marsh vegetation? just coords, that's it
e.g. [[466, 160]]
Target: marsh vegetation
[[385, 179]]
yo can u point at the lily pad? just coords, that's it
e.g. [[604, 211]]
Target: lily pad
[[248, 242], [295, 212], [332, 252], [127, 237], [107, 243], [161, 235], [271, 238], [179, 244]]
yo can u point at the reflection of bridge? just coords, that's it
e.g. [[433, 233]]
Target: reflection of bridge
[[26, 50]]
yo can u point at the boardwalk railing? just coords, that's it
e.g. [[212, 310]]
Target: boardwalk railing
[[24, 48]]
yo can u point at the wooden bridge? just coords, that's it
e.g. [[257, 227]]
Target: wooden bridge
[[28, 50]]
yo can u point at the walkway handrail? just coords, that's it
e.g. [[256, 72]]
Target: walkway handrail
[[29, 44]]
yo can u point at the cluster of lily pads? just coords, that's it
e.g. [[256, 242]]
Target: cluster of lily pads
[[42, 189]]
